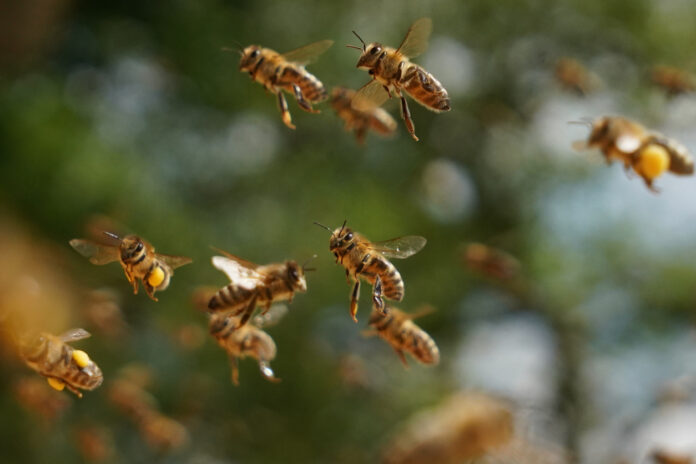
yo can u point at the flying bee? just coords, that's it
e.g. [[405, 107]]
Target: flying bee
[[367, 260], [663, 457], [247, 341], [673, 80], [398, 329], [360, 121], [392, 72], [574, 76], [63, 366], [137, 257], [278, 72], [648, 153], [490, 261], [252, 285]]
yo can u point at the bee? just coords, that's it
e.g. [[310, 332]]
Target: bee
[[573, 76], [360, 121], [162, 433], [63, 366], [35, 396], [278, 72], [648, 153], [137, 257], [663, 457], [491, 262], [673, 80], [252, 285], [398, 329], [247, 340], [367, 260], [95, 443], [392, 72]]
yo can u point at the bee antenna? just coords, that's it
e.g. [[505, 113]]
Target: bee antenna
[[111, 234], [353, 46], [582, 123], [323, 226], [239, 49], [361, 40], [343, 226]]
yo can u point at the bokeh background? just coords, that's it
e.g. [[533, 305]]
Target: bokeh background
[[131, 110]]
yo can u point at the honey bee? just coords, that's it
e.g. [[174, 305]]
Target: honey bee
[[252, 285], [491, 261], [368, 260], [34, 395], [648, 153], [162, 433], [663, 457], [63, 366], [673, 80], [278, 72], [137, 257], [94, 443], [398, 329], [247, 341], [392, 72], [359, 121], [573, 76]]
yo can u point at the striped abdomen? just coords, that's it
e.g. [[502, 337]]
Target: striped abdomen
[[425, 89], [312, 88], [233, 298], [65, 369], [403, 334], [392, 283]]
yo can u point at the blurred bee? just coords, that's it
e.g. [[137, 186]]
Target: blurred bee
[[392, 72], [648, 153], [490, 261], [34, 395], [673, 80], [574, 77], [398, 329], [286, 72], [248, 340], [368, 260], [63, 366], [94, 443], [102, 310], [663, 457], [252, 285], [359, 121], [137, 257], [162, 433]]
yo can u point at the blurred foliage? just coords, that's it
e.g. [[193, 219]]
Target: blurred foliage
[[131, 109]]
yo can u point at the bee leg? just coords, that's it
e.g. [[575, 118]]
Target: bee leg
[[348, 276], [267, 372], [360, 135], [386, 89], [150, 290], [377, 300], [304, 104], [284, 113], [74, 390], [354, 295], [234, 375], [247, 312], [406, 114], [402, 357]]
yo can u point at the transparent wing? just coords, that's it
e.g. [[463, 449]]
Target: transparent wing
[[309, 53], [416, 40], [238, 272], [74, 335], [401, 247], [271, 317], [97, 253], [370, 96], [172, 260]]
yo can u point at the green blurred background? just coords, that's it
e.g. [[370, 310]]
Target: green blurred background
[[130, 109]]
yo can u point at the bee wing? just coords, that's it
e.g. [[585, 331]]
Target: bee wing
[[309, 53], [271, 317], [74, 335], [173, 261], [370, 96], [238, 271], [401, 247], [97, 253], [680, 161], [416, 40]]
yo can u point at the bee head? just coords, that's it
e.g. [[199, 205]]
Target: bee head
[[296, 276], [600, 129], [250, 57], [218, 324], [340, 93], [370, 55], [131, 247]]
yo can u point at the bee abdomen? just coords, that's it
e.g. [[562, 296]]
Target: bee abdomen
[[423, 347], [229, 296], [312, 88], [425, 89], [392, 284]]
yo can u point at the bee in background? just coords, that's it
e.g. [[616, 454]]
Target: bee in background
[[286, 72], [248, 340], [574, 76], [663, 457], [490, 261], [648, 153], [163, 433], [103, 311], [34, 395], [364, 259], [398, 329], [673, 80], [63, 366], [94, 443], [359, 121], [252, 285], [392, 72], [137, 257]]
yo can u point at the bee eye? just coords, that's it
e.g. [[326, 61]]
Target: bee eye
[[374, 50], [254, 54], [294, 274], [349, 236], [139, 246]]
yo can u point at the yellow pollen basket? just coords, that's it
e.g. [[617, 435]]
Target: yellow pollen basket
[[81, 358], [653, 161], [156, 277], [56, 384]]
